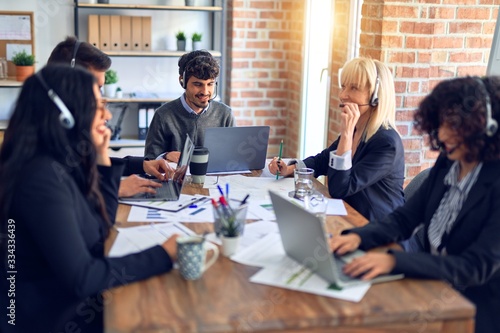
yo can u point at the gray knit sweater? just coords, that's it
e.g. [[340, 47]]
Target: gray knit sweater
[[171, 122]]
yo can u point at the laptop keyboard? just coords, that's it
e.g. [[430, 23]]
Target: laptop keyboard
[[164, 192]]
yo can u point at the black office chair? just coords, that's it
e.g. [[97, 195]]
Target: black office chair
[[415, 183], [416, 242]]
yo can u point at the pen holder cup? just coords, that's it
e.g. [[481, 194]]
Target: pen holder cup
[[230, 222]]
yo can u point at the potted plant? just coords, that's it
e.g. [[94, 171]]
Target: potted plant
[[232, 225], [181, 41], [119, 92], [24, 65], [196, 38], [110, 80]]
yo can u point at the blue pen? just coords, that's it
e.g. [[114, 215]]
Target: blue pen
[[197, 211], [220, 190], [227, 191]]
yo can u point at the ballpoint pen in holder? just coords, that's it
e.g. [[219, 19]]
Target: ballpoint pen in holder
[[229, 221]]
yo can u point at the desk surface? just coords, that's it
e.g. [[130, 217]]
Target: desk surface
[[224, 300]]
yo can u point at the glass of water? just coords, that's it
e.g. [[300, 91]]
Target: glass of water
[[303, 182]]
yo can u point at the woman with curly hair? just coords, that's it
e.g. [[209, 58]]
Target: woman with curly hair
[[459, 202]]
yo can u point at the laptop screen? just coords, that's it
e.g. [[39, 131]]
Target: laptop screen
[[236, 148], [184, 159]]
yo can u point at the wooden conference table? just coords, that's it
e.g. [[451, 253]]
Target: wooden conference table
[[224, 300]]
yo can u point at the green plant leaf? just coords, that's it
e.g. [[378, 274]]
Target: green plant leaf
[[23, 59], [110, 77]]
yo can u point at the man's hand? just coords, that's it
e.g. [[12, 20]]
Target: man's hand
[[173, 156], [157, 168], [134, 184]]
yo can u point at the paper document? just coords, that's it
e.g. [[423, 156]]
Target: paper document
[[253, 233], [184, 200], [135, 239], [336, 207], [200, 211], [291, 275], [281, 271]]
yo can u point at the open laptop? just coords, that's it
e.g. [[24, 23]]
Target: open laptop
[[305, 240], [236, 148], [171, 189]]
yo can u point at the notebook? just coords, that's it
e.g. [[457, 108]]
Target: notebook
[[236, 148], [305, 240], [171, 189]]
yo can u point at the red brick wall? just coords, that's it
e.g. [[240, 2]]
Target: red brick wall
[[423, 42], [264, 67]]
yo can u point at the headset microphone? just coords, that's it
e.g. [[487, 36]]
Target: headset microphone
[[75, 50], [65, 118], [491, 124], [342, 105]]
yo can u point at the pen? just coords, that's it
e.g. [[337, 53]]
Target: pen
[[227, 191], [226, 206], [244, 201], [220, 190], [197, 211], [279, 159]]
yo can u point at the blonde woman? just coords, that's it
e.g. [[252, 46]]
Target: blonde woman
[[365, 165]]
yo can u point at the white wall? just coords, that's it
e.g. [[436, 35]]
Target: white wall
[[54, 21]]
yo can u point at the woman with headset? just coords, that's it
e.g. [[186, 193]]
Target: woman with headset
[[365, 165], [58, 199], [459, 202]]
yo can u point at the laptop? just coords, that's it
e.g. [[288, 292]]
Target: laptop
[[305, 240], [236, 148], [171, 189]]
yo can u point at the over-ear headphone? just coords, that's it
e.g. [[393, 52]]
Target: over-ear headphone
[[75, 50], [65, 118], [183, 79], [374, 97], [491, 124]]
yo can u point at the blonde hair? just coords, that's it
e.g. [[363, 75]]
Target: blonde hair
[[363, 72]]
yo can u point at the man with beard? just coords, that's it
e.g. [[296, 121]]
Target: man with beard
[[191, 113]]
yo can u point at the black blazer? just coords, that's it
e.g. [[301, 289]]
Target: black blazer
[[374, 184], [59, 253], [472, 263]]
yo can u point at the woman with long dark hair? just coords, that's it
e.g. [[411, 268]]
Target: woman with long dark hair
[[58, 198]]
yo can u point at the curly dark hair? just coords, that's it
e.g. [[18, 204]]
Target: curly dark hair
[[461, 104], [200, 64]]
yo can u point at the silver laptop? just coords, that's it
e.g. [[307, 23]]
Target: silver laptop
[[305, 240], [236, 148], [171, 189]]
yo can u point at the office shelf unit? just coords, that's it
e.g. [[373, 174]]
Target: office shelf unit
[[216, 30]]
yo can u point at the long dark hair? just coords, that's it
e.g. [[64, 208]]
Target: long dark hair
[[461, 103], [35, 130]]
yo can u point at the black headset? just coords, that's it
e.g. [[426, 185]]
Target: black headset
[[65, 118], [491, 124], [374, 97], [75, 50], [183, 80]]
